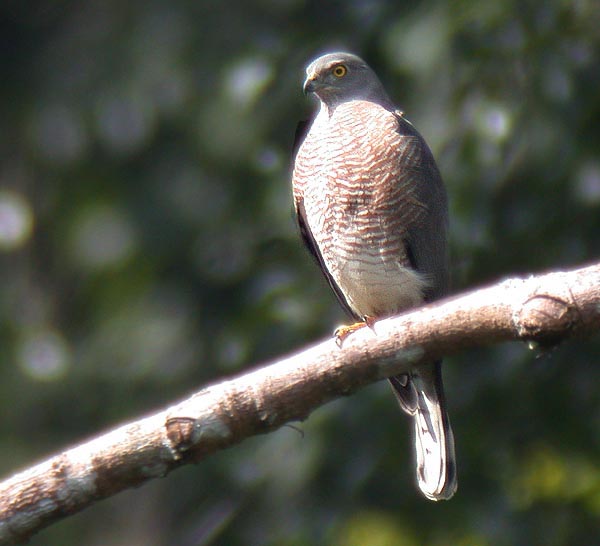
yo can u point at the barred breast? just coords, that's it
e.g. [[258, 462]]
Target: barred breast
[[357, 176]]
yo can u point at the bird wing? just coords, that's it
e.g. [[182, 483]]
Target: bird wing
[[420, 392], [426, 245]]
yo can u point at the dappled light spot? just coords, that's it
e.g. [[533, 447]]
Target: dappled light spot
[[102, 237], [149, 335], [418, 43], [44, 355], [587, 183], [557, 83], [268, 159], [374, 528], [194, 196], [549, 475], [124, 120], [274, 290], [225, 256], [233, 349], [494, 122], [246, 80], [16, 220], [59, 133]]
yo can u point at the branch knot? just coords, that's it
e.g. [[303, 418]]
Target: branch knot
[[545, 318]]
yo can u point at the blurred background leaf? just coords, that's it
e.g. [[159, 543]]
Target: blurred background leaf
[[147, 246]]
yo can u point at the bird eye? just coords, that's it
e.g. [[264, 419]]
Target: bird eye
[[340, 71]]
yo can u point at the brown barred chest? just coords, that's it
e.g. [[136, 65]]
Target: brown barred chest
[[358, 205]]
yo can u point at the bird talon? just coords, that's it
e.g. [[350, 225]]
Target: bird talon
[[342, 332]]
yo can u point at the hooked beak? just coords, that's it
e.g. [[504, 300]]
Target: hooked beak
[[309, 85]]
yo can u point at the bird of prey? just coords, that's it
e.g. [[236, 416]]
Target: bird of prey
[[372, 209]]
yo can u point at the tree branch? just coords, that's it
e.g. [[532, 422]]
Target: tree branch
[[544, 309]]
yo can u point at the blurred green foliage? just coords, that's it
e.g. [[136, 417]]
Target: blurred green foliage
[[147, 247]]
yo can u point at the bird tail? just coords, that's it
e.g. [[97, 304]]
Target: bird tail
[[421, 394]]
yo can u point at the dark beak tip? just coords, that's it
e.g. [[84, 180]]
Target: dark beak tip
[[308, 87]]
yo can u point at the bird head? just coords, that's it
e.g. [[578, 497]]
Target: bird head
[[340, 77]]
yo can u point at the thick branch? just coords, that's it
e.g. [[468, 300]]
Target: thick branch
[[545, 309]]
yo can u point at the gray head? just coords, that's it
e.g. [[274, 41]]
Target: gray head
[[340, 77]]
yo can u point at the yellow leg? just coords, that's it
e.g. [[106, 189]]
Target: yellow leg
[[343, 332]]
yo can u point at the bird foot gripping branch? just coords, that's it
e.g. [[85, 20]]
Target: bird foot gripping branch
[[342, 332]]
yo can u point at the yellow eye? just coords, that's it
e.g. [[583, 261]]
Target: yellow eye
[[340, 71]]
